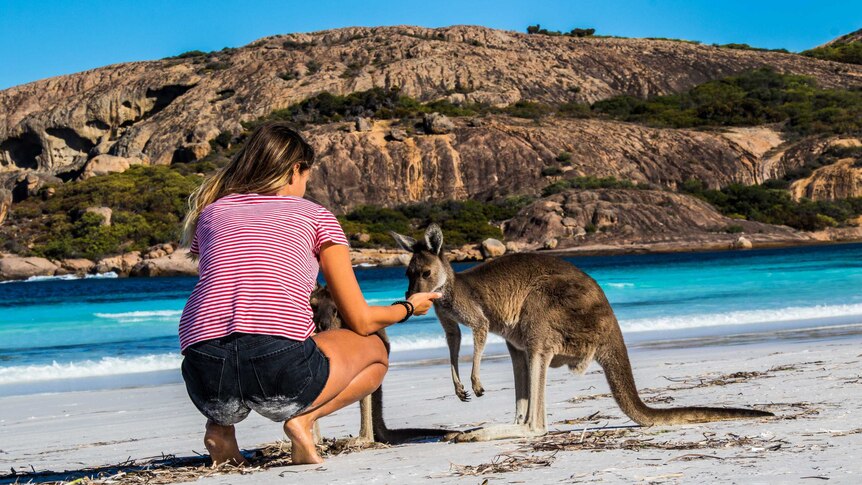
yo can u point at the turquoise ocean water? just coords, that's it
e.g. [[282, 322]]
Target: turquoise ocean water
[[67, 334]]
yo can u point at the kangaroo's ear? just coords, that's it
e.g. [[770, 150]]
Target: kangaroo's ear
[[404, 242], [434, 238]]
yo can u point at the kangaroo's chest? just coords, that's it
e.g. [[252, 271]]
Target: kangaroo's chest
[[476, 316]]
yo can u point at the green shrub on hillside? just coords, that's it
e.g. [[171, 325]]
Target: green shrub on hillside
[[528, 109], [326, 107], [463, 221], [576, 32], [850, 53], [564, 157], [751, 98], [148, 203], [828, 157], [775, 206], [312, 67], [188, 54], [588, 183], [383, 103], [747, 47], [551, 171]]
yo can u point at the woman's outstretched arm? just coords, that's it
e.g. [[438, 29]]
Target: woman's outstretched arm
[[360, 317]]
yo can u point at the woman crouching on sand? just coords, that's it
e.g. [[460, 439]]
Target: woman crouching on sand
[[246, 331]]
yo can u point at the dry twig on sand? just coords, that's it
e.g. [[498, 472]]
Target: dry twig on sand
[[502, 463], [171, 469], [630, 439]]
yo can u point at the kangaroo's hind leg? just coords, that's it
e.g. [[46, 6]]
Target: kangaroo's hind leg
[[315, 434], [479, 337], [522, 382], [538, 363], [366, 424], [535, 425]]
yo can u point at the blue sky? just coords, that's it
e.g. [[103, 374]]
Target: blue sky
[[44, 38]]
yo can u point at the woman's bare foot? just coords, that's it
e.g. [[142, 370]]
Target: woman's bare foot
[[222, 446], [302, 449]]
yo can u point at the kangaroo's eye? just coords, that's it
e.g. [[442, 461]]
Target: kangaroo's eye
[[426, 274]]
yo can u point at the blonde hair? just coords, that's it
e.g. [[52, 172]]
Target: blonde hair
[[265, 164]]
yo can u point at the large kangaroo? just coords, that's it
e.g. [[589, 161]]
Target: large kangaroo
[[372, 425], [551, 314]]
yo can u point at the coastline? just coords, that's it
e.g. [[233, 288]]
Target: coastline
[[671, 248], [174, 262], [811, 384]]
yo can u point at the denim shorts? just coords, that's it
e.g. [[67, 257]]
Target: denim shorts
[[277, 377]]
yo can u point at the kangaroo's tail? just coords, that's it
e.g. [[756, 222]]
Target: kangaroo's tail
[[383, 434], [614, 359]]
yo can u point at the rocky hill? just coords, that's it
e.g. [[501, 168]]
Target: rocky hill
[[855, 36], [625, 217], [180, 110], [158, 111], [502, 156]]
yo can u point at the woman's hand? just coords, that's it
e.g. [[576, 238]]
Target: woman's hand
[[422, 301], [354, 310]]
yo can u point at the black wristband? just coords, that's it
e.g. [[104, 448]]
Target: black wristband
[[408, 306]]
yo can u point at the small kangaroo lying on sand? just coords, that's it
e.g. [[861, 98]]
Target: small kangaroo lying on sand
[[551, 314], [372, 427]]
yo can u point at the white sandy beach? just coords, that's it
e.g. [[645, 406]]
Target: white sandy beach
[[812, 384]]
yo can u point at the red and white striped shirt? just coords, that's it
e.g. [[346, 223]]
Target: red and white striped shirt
[[258, 261]]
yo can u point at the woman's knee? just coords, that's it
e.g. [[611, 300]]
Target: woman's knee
[[333, 342], [378, 348]]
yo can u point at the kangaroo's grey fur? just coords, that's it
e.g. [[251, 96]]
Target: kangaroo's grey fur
[[372, 425], [551, 314]]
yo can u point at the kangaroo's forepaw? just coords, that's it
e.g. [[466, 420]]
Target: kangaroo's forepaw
[[462, 394], [478, 390]]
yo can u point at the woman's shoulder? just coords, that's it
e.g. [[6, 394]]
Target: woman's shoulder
[[294, 204], [253, 198]]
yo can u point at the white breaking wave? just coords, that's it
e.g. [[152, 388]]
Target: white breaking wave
[[109, 274], [143, 316], [743, 317], [106, 366], [407, 343], [621, 285]]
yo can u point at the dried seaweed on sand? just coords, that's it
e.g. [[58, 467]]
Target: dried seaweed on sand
[[166, 469], [502, 463], [633, 440]]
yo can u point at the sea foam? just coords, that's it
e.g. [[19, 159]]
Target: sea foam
[[35, 278], [141, 314], [407, 343], [106, 366], [741, 317]]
